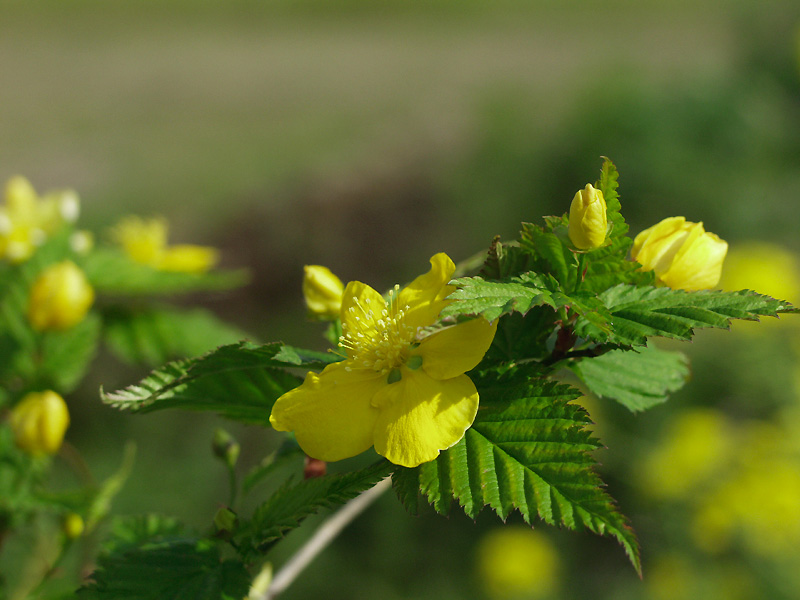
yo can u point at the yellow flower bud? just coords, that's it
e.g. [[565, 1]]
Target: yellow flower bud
[[587, 219], [60, 297], [73, 525], [323, 292], [39, 422], [682, 254]]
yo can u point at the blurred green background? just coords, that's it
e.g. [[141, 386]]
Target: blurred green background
[[368, 135]]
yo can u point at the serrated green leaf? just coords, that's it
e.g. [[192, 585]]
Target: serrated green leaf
[[110, 271], [129, 531], [609, 184], [292, 503], [506, 260], [492, 299], [240, 382], [153, 335], [556, 257], [528, 450], [640, 312], [179, 569], [637, 379]]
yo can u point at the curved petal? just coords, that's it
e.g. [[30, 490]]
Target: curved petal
[[361, 307], [698, 264], [422, 416], [330, 413], [456, 350], [425, 296]]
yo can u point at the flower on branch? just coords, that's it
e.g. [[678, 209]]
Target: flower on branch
[[145, 242], [60, 297], [323, 292], [588, 222], [39, 422], [26, 219], [402, 387], [682, 254]]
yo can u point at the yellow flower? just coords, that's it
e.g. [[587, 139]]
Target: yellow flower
[[26, 220], [323, 292], [682, 254], [39, 422], [145, 242], [73, 525], [587, 219], [60, 297], [518, 562], [402, 387]]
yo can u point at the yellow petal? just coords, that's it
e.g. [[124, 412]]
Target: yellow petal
[[456, 350], [330, 413], [425, 296], [421, 416], [188, 258], [698, 263], [361, 308]]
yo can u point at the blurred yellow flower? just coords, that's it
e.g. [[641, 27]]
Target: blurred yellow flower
[[758, 503], [26, 220], [73, 525], [587, 219], [517, 562], [765, 268], [402, 387], [323, 292], [682, 254], [145, 242], [694, 447], [39, 422], [59, 298]]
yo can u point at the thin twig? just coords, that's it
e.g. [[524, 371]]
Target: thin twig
[[323, 536]]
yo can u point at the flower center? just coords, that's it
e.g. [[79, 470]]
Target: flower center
[[381, 341]]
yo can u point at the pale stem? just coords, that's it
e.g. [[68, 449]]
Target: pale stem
[[323, 536]]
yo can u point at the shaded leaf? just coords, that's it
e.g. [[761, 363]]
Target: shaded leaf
[[637, 379]]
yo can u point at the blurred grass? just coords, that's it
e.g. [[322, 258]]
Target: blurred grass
[[367, 136]]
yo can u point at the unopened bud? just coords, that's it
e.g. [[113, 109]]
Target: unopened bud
[[60, 297], [225, 447], [323, 292], [682, 254], [39, 422], [588, 222]]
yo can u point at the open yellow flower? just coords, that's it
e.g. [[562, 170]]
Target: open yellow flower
[[26, 219], [402, 387], [145, 242]]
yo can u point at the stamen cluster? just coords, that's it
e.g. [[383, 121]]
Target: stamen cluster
[[377, 342]]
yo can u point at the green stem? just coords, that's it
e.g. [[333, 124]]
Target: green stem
[[234, 488]]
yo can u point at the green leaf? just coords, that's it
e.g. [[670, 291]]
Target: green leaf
[[288, 506], [240, 382], [110, 271], [492, 299], [506, 260], [608, 184], [153, 335], [551, 248], [637, 379], [528, 450], [640, 312], [128, 531], [66, 355], [176, 569]]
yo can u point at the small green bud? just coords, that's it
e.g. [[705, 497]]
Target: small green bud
[[225, 447], [225, 521]]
